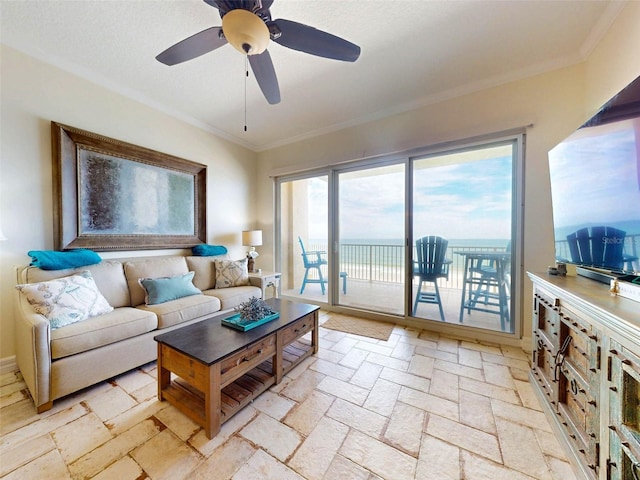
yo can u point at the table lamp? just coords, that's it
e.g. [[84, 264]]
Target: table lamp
[[252, 239]]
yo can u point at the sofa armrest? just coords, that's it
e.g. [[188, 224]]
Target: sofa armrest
[[33, 352], [255, 282]]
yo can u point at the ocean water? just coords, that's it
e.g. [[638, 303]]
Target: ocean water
[[469, 242], [387, 253]]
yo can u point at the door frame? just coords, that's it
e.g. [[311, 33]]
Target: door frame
[[517, 136]]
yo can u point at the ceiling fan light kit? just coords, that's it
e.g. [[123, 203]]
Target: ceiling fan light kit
[[248, 27], [245, 31]]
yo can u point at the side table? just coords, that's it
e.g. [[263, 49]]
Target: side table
[[268, 280]]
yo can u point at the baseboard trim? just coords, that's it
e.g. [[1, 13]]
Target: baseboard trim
[[8, 365]]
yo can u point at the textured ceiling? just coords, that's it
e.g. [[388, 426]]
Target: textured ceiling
[[413, 53]]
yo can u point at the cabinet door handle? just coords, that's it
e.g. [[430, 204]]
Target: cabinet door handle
[[574, 386], [251, 357], [559, 360]]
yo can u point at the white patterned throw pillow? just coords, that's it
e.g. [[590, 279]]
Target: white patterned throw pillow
[[231, 273], [66, 300]]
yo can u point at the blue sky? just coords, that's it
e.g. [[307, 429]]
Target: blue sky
[[468, 200], [453, 200]]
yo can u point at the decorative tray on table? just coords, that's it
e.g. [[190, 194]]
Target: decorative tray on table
[[238, 323]]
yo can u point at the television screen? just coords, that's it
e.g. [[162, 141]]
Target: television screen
[[595, 188]]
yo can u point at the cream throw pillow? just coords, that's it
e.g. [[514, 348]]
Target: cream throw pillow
[[66, 300], [231, 273]]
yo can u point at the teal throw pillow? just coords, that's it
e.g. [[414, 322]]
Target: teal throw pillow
[[164, 289]]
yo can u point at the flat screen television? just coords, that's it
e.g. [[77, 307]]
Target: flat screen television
[[595, 189]]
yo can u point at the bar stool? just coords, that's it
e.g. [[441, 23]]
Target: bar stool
[[485, 286]]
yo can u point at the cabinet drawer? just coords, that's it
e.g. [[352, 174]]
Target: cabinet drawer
[[297, 329], [185, 367], [241, 362]]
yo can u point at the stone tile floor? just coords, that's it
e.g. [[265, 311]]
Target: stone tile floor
[[418, 406]]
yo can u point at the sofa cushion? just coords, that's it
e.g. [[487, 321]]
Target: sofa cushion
[[152, 267], [230, 297], [66, 300], [164, 289], [108, 275], [231, 273], [183, 309], [204, 270], [122, 323]]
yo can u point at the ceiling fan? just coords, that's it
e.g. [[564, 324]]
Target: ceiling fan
[[248, 27]]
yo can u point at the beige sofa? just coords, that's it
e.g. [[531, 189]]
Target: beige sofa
[[55, 363]]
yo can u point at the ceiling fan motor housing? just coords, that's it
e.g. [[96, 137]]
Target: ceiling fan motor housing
[[245, 31]]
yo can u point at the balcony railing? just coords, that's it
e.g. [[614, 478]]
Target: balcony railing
[[385, 262]]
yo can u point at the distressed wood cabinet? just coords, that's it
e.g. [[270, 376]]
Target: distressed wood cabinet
[[624, 415], [586, 372]]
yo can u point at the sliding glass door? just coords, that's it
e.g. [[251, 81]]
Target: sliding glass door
[[429, 236], [363, 266], [462, 222], [371, 237], [303, 219]]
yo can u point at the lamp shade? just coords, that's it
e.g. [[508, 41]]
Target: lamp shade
[[252, 238]]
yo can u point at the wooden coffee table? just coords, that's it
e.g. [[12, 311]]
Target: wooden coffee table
[[218, 370]]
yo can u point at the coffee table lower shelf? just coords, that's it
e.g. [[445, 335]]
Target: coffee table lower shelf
[[294, 353], [233, 398]]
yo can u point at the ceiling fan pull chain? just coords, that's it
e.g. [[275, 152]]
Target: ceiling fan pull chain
[[246, 75]]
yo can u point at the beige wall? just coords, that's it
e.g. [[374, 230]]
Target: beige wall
[[33, 94], [555, 103]]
